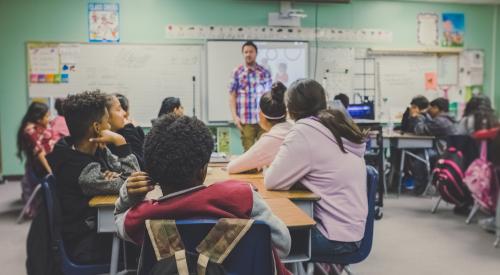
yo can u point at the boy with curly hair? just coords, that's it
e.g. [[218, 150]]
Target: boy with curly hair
[[83, 168]]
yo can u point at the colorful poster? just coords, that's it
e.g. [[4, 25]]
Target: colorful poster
[[453, 30], [104, 25]]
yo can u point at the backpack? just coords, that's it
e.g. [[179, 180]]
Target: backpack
[[479, 179], [447, 177], [172, 258]]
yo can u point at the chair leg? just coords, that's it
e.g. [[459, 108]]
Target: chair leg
[[436, 205], [348, 270], [28, 203], [310, 268], [497, 241], [472, 213]]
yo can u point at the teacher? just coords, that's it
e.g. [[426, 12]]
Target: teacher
[[249, 82]]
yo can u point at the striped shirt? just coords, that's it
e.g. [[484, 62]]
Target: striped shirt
[[249, 84]]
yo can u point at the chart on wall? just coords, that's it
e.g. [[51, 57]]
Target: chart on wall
[[286, 61], [146, 74]]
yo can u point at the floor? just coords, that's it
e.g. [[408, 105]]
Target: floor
[[408, 240]]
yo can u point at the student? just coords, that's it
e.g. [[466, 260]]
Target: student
[[436, 122], [343, 98], [58, 124], [119, 124], [34, 141], [418, 105], [84, 167], [176, 152], [324, 152], [171, 105], [478, 115], [272, 119]]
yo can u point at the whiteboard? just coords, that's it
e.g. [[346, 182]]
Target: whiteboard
[[335, 70], [401, 78], [146, 74], [224, 56]]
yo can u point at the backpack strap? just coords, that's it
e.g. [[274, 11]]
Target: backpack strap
[[484, 150], [220, 241], [167, 242]]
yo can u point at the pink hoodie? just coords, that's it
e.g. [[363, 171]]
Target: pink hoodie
[[262, 153], [310, 155]]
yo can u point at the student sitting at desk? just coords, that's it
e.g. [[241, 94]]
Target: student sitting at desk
[[418, 106], [324, 152], [83, 168], [436, 122], [272, 119], [176, 153], [119, 124]]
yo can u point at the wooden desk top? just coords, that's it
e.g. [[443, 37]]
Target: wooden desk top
[[216, 175], [279, 201], [257, 180], [289, 213], [283, 208]]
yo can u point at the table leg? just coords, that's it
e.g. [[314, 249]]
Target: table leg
[[401, 169], [115, 252]]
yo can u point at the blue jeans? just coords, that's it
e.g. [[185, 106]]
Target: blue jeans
[[324, 250]]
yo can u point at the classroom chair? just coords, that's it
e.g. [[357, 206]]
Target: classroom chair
[[31, 199], [252, 254], [366, 243], [67, 266]]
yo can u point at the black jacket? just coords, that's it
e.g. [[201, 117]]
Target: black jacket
[[79, 177]]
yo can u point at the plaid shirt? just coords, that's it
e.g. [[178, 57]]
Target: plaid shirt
[[249, 84]]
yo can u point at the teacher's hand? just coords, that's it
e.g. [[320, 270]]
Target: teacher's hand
[[237, 122]]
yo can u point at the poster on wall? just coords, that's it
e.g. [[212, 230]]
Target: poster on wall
[[453, 30], [104, 23], [427, 29]]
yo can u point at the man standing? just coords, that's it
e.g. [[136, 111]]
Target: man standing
[[249, 82]]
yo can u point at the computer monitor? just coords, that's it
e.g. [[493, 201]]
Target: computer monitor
[[362, 111]]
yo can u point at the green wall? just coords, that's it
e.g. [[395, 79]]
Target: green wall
[[144, 22]]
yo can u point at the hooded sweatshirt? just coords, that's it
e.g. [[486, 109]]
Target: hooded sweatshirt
[[262, 153], [441, 126], [310, 155], [79, 177]]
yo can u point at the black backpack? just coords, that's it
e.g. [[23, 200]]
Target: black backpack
[[172, 258], [448, 178]]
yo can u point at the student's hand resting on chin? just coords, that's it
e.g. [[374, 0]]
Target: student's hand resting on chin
[[139, 183], [107, 137]]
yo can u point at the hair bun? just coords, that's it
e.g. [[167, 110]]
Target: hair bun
[[278, 90]]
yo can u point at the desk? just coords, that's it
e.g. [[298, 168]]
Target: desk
[[404, 142], [294, 208]]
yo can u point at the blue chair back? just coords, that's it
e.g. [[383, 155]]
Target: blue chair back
[[252, 254], [53, 211], [366, 243]]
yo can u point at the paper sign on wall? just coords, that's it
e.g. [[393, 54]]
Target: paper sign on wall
[[430, 81]]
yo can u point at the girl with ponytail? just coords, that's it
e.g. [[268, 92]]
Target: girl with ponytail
[[272, 119], [324, 152]]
